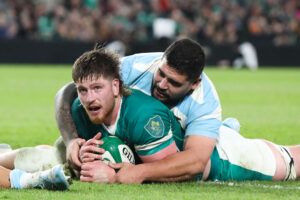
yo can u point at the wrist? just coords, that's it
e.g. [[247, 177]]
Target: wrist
[[74, 141], [142, 172], [113, 179], [111, 175]]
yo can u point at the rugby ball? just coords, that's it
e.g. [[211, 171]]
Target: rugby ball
[[116, 151]]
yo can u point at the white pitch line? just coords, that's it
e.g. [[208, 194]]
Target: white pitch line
[[234, 184]]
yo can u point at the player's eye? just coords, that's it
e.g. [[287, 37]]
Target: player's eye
[[97, 88], [175, 84], [161, 73], [82, 91]]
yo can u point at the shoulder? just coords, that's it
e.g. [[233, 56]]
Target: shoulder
[[147, 119], [135, 67], [205, 93], [140, 109], [148, 55], [139, 101], [142, 57]]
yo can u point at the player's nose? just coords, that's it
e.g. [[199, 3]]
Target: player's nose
[[163, 84], [90, 97]]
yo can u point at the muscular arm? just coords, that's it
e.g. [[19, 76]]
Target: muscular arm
[[66, 125], [180, 166], [63, 112]]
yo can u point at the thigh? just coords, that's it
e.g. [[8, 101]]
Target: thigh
[[32, 159], [4, 177], [238, 158], [7, 159]]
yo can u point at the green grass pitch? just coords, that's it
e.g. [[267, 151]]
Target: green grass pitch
[[266, 102]]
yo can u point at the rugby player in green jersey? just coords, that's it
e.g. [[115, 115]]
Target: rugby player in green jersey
[[176, 78], [151, 130], [105, 106]]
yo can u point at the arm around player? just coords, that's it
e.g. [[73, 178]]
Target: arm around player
[[65, 123]]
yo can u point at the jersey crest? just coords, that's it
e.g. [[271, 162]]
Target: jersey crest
[[155, 126]]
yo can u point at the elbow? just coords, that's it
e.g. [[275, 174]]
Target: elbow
[[66, 93]]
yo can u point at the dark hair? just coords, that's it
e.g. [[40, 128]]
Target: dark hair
[[186, 57], [95, 64]]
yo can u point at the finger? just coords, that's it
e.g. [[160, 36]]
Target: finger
[[97, 136], [74, 158], [85, 167], [91, 149], [115, 165], [86, 179], [85, 149], [91, 155], [93, 142], [85, 173], [81, 142], [76, 161], [86, 160]]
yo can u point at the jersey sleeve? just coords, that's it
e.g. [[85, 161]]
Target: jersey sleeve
[[154, 139], [134, 66], [201, 113], [204, 127], [125, 68]]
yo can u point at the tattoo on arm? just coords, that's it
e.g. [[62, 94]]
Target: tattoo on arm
[[64, 121]]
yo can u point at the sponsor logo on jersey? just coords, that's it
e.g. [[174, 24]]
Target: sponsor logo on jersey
[[155, 126]]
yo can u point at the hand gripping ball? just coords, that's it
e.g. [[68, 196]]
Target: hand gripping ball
[[116, 151]]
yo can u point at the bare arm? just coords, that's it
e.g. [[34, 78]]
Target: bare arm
[[4, 177], [66, 125], [63, 112], [180, 166]]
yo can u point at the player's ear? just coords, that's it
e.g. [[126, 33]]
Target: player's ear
[[116, 87], [195, 84]]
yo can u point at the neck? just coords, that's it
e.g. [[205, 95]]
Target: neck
[[114, 112]]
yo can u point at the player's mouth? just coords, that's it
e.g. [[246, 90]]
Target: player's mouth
[[159, 94], [94, 110]]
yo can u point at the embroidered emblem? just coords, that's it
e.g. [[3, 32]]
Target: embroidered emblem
[[155, 126]]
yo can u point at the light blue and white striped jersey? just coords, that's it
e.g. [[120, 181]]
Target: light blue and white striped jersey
[[199, 113]]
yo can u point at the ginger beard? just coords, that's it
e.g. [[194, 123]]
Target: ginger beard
[[99, 112]]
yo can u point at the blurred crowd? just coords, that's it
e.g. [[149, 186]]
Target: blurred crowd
[[215, 21]]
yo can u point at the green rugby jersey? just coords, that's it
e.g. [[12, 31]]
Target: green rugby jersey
[[144, 124]]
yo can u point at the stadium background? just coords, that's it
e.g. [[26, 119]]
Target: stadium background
[[57, 31]]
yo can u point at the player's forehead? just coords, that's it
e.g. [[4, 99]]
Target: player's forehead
[[92, 80], [172, 73]]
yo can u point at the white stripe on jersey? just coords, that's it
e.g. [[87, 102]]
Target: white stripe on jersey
[[215, 114], [211, 83], [154, 144], [180, 116], [144, 91], [198, 94], [142, 67]]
